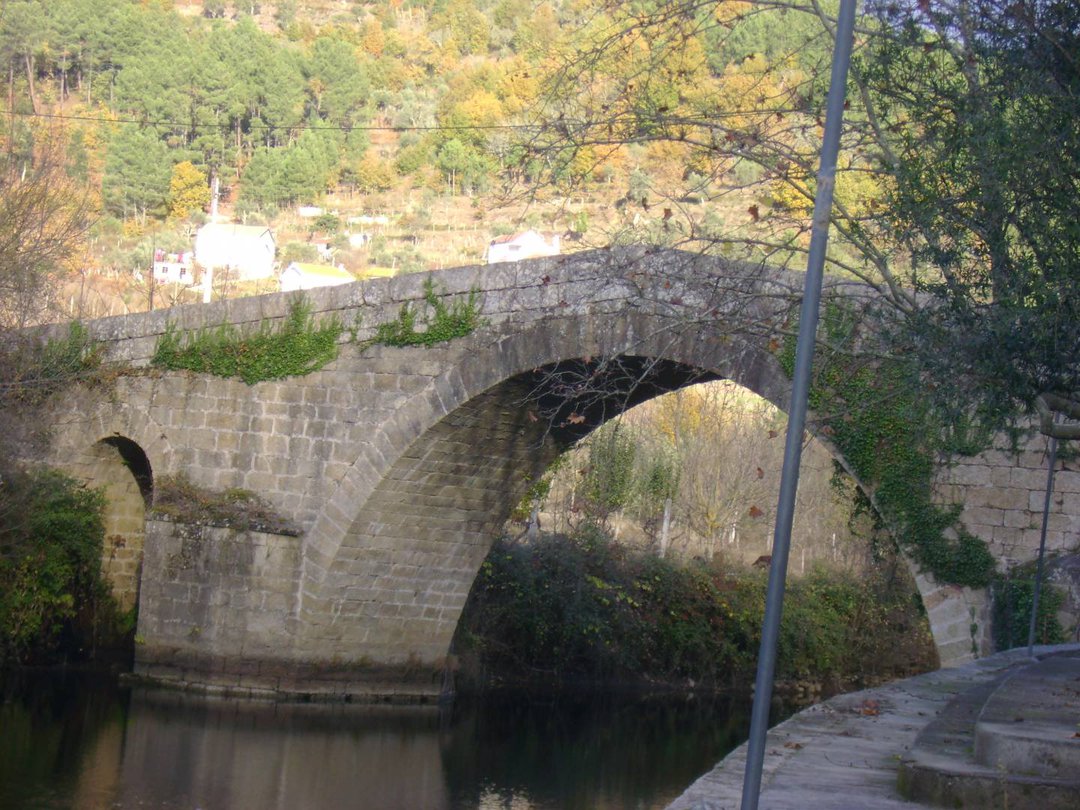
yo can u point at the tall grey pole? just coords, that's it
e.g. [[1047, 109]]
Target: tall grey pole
[[804, 356], [1042, 547]]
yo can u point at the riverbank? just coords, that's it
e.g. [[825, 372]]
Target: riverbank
[[848, 752], [583, 611]]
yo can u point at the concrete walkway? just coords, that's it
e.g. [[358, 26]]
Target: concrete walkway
[[951, 737]]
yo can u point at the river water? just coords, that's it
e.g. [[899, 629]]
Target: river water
[[83, 742]]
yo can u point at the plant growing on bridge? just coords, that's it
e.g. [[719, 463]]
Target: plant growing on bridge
[[32, 370], [445, 322], [177, 498], [298, 347], [875, 412]]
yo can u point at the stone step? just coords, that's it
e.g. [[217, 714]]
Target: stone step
[[1010, 742], [1031, 723]]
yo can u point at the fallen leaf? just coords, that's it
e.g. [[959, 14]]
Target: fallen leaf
[[755, 512]]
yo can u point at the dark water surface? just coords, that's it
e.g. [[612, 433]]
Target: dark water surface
[[77, 741]]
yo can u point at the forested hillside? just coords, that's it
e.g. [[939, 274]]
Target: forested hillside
[[429, 112]]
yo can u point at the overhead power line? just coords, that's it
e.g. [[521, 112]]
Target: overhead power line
[[557, 125], [164, 122]]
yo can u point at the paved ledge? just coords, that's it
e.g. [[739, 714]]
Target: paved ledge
[[846, 753]]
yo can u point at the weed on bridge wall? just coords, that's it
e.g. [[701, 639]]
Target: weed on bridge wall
[[298, 347], [584, 609], [460, 318], [54, 603], [877, 414]]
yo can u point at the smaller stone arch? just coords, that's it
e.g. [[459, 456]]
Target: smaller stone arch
[[121, 467]]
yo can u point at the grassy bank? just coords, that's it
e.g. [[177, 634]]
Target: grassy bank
[[583, 609]]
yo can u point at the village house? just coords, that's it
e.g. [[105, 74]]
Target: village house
[[174, 268], [305, 276], [246, 250], [530, 244]]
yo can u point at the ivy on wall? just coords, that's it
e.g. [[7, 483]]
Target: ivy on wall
[[879, 419], [445, 322], [299, 346]]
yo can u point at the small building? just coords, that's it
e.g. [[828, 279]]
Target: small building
[[246, 250], [174, 268], [324, 245], [304, 276], [530, 244]]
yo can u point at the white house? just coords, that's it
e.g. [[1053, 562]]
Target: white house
[[302, 276], [173, 268], [247, 250], [530, 244]]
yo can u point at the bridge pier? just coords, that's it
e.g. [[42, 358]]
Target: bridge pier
[[217, 614]]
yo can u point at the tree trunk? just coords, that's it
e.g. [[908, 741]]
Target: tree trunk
[[30, 82]]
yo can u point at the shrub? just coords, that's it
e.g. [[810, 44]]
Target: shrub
[[53, 600], [1012, 599], [583, 607]]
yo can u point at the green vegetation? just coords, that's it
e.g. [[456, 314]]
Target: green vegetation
[[984, 121], [32, 370], [297, 347], [584, 608], [1012, 596], [460, 318], [54, 604], [877, 415]]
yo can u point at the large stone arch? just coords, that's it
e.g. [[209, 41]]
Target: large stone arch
[[389, 565]]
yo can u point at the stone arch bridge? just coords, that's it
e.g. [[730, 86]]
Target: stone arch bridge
[[398, 466]]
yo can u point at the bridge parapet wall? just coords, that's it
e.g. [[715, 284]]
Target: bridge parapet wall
[[666, 282]]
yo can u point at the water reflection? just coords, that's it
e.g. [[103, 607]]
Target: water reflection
[[72, 743]]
